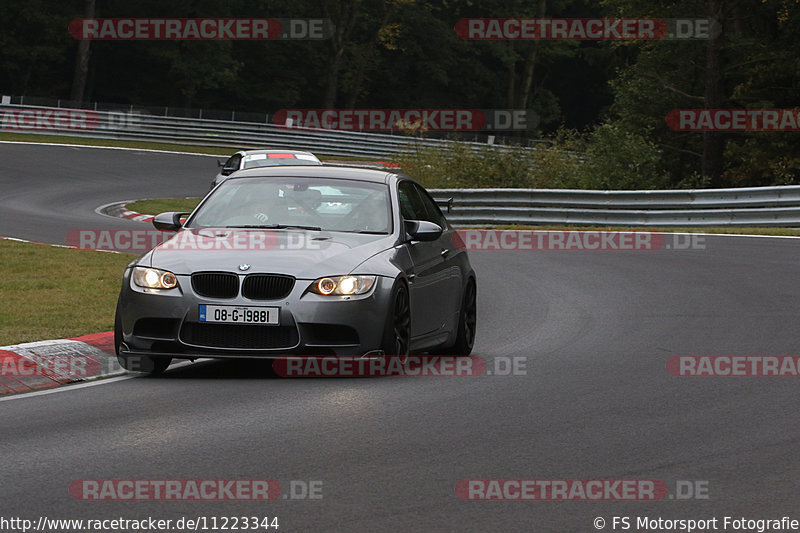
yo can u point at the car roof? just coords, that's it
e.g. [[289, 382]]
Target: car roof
[[311, 171], [274, 151]]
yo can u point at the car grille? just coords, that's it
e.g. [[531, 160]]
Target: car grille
[[267, 286], [215, 284], [239, 336]]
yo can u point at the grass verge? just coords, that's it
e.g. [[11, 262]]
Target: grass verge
[[161, 205], [68, 293]]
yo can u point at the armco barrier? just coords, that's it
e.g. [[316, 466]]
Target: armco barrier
[[751, 206], [133, 125]]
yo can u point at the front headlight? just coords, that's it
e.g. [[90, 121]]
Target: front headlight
[[342, 285], [153, 278]]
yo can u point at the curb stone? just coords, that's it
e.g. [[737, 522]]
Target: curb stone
[[46, 364]]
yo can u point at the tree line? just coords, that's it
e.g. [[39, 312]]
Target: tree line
[[608, 99]]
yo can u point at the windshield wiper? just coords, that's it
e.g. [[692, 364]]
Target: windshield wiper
[[277, 226]]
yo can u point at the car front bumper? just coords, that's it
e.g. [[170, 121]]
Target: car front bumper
[[166, 323]]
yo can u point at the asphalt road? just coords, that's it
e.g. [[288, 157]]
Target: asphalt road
[[49, 190], [594, 328]]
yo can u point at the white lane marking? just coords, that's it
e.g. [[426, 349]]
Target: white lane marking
[[65, 388], [640, 230], [60, 245], [112, 148], [94, 382], [731, 235], [99, 210]]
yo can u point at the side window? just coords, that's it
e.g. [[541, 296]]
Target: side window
[[232, 164], [411, 206], [433, 213]]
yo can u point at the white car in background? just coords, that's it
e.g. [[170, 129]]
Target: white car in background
[[263, 158]]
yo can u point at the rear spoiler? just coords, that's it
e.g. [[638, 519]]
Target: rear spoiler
[[444, 203]]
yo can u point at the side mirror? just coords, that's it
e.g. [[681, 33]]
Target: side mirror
[[226, 171], [220, 163], [444, 203], [170, 221], [422, 230]]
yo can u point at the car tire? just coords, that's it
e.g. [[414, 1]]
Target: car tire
[[467, 321], [137, 363], [117, 329], [397, 331]]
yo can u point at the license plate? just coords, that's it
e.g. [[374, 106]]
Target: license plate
[[233, 314]]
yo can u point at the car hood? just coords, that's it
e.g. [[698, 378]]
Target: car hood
[[299, 253]]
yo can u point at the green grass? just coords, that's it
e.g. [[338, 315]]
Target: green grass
[[55, 293], [161, 205]]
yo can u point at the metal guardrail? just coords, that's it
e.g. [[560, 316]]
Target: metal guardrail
[[751, 206], [133, 125]]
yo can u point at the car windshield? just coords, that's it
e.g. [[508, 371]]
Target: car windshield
[[308, 203], [274, 160]]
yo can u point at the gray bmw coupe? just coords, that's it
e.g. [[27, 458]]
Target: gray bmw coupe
[[300, 261]]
